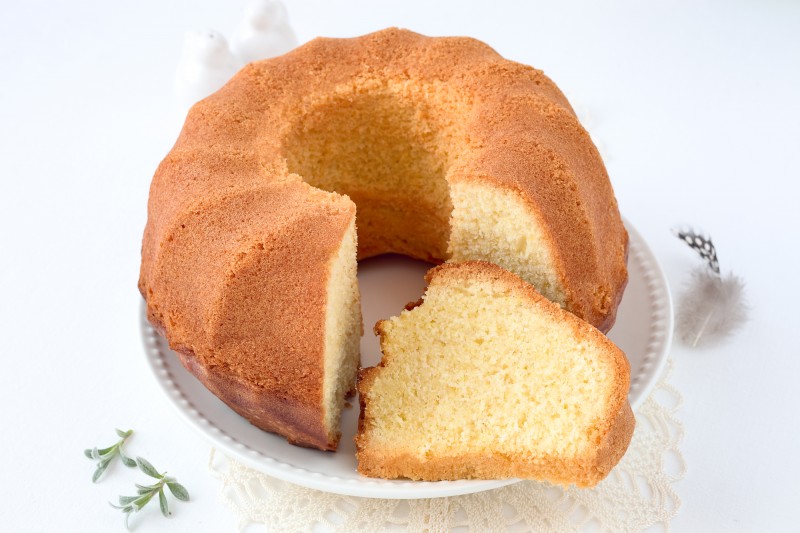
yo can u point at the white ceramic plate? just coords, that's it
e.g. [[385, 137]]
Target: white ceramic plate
[[643, 330]]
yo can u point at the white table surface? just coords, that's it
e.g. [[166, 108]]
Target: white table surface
[[695, 105]]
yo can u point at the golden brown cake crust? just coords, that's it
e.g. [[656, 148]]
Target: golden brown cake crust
[[259, 346], [225, 216], [613, 433], [520, 131]]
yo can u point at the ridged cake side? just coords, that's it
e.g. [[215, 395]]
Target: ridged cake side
[[257, 340]]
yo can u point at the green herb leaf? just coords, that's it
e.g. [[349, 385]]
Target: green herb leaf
[[178, 490], [162, 501], [147, 468], [127, 461], [125, 508], [106, 455], [125, 500], [143, 500], [145, 493], [106, 451], [101, 467]]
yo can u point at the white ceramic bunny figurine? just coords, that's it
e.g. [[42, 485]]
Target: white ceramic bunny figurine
[[205, 65], [263, 32]]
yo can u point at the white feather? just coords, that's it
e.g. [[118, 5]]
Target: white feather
[[712, 307]]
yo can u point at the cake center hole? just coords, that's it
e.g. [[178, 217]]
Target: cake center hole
[[389, 150]]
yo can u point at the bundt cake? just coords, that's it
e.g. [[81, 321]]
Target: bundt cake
[[448, 152], [484, 378]]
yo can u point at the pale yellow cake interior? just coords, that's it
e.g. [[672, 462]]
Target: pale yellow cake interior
[[483, 214], [342, 332], [388, 148], [499, 376]]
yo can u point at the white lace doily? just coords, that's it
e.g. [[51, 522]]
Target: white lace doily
[[636, 495]]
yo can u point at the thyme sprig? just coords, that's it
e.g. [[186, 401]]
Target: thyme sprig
[[145, 493], [106, 455]]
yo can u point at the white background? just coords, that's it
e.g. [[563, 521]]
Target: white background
[[695, 106]]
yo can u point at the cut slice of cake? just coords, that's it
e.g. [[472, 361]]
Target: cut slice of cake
[[484, 378]]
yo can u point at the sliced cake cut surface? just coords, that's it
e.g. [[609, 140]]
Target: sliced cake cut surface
[[484, 378]]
